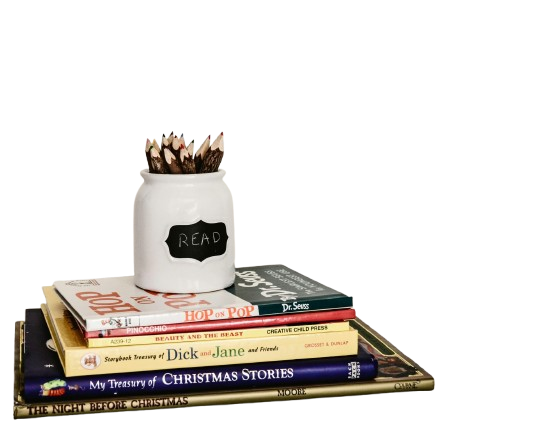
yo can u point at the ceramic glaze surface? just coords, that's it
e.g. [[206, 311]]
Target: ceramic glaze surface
[[184, 233]]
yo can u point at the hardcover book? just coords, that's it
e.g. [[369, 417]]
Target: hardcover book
[[396, 373], [237, 334], [80, 360], [44, 379], [318, 316], [108, 303]]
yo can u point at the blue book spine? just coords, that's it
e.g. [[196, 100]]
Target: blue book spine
[[44, 378]]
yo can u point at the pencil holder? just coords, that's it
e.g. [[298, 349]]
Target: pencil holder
[[184, 233]]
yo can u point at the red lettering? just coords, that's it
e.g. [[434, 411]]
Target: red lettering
[[106, 304], [179, 296], [180, 304], [85, 296], [124, 307], [198, 315], [240, 312]]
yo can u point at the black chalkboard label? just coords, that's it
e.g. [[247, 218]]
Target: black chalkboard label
[[197, 241]]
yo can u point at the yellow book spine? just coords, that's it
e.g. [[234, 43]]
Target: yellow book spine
[[232, 334], [107, 360]]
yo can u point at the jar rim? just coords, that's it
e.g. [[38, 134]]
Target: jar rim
[[181, 178]]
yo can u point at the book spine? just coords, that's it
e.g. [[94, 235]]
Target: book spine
[[235, 323], [175, 381], [99, 324], [224, 313], [231, 397], [220, 335], [303, 305], [119, 359]]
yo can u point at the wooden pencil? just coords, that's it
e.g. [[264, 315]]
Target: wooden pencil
[[186, 159], [166, 141], [176, 146], [148, 148], [200, 153], [172, 162], [213, 156], [175, 157], [157, 162]]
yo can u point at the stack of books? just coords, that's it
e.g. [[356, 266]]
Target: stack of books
[[104, 345]]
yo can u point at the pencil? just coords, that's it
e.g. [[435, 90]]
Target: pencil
[[176, 146], [166, 141], [213, 156], [186, 159], [156, 160], [200, 153], [173, 166], [148, 147]]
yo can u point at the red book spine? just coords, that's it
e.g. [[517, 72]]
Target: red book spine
[[236, 323]]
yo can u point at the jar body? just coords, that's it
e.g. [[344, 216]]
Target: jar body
[[184, 233]]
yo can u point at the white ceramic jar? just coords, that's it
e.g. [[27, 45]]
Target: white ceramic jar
[[184, 233]]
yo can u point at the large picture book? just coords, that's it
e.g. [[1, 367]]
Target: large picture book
[[396, 373], [106, 303], [80, 360], [44, 379]]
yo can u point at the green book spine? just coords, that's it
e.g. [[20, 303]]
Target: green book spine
[[303, 305]]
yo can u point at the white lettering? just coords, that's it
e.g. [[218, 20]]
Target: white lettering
[[96, 385], [183, 238]]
